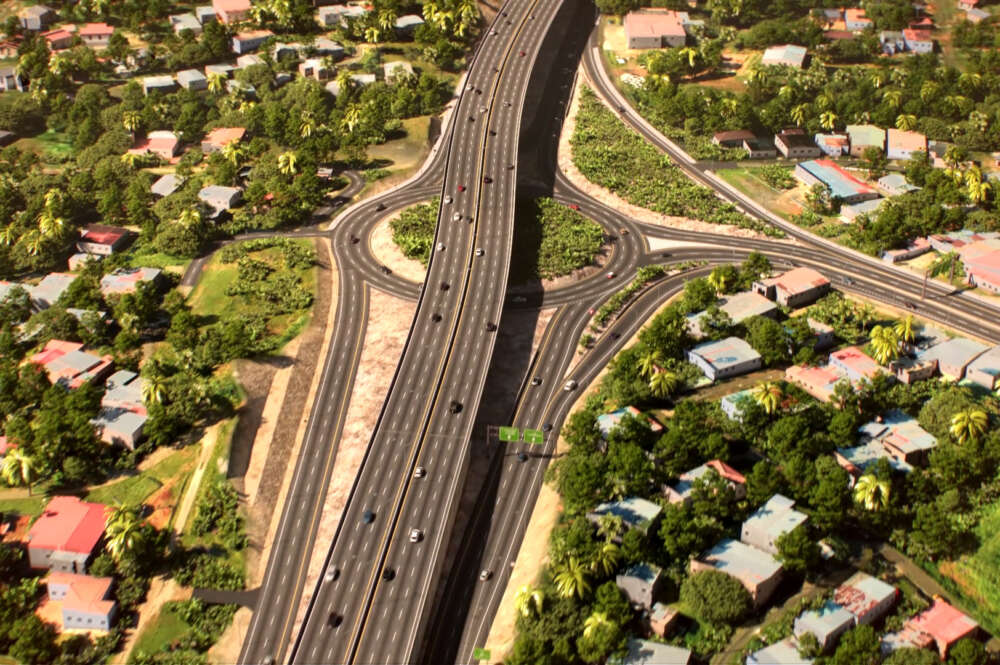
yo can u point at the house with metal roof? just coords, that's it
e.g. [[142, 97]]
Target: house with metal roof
[[640, 583], [222, 69], [220, 137], [785, 652], [407, 23], [758, 571], [36, 17], [662, 619], [250, 40], [725, 358], [192, 79], [902, 144], [645, 652], [733, 404], [681, 491], [635, 513], [856, 460], [867, 598], [953, 356], [654, 27], [834, 145], [126, 280], [841, 184], [855, 364], [863, 137], [327, 47], [607, 422], [85, 602], [164, 83], [166, 185], [66, 534], [793, 288], [985, 370], [739, 306], [186, 21], [332, 15], [826, 624], [851, 211], [787, 55], [895, 184], [220, 198], [940, 625], [770, 522], [231, 11], [794, 144], [162, 143], [820, 382], [102, 239], [48, 291], [69, 365]]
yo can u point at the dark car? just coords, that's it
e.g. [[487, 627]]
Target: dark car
[[615, 335], [355, 240], [455, 406], [334, 620], [487, 179], [522, 457], [445, 286], [380, 207], [367, 517], [491, 327], [388, 574], [537, 381], [386, 270], [547, 427], [435, 317]]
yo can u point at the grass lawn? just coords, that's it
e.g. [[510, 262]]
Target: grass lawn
[[51, 144], [27, 506], [160, 632], [407, 152], [977, 575], [130, 491], [750, 184], [157, 260]]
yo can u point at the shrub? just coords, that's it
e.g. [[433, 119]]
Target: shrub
[[715, 597]]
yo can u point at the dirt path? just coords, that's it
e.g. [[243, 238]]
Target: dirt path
[[161, 590], [191, 493]]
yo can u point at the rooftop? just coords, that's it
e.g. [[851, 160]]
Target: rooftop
[[896, 181], [798, 280], [47, 292], [866, 135], [725, 352], [989, 362], [646, 572], [654, 23], [775, 518], [644, 652], [789, 55], [95, 29], [83, 593], [862, 593], [607, 422], [958, 351], [785, 652], [634, 511], [869, 453], [221, 136], [903, 140], [167, 184], [686, 482], [841, 183], [943, 622], [857, 360], [102, 235], [68, 525], [831, 618], [125, 279], [747, 564]]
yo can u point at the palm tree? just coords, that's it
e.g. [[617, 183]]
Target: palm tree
[[929, 90], [595, 622], [892, 98], [571, 579], [386, 20], [885, 344], [799, 114], [969, 424], [978, 192], [189, 217], [528, 600], [877, 78], [606, 559], [17, 468], [216, 82], [609, 526], [904, 329], [906, 122], [950, 263], [133, 159], [691, 55], [827, 120], [154, 388], [663, 383], [352, 116], [372, 34], [34, 242], [718, 279], [649, 361], [286, 163], [123, 530], [768, 395], [8, 235], [872, 492], [233, 152], [307, 124], [980, 120]]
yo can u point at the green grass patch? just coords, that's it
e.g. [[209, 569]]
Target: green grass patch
[[131, 491], [51, 144], [407, 151], [413, 230], [169, 467], [612, 156], [157, 260], [976, 577], [28, 506], [165, 628], [551, 240]]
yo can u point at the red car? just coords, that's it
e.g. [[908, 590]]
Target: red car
[[461, 188], [573, 206], [610, 275], [523, 54]]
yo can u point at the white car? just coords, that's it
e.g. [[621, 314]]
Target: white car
[[482, 109], [479, 251], [332, 573], [447, 198], [419, 472], [440, 246], [485, 575], [457, 217], [416, 535], [570, 385]]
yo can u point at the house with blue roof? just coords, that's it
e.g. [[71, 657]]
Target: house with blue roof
[[841, 184]]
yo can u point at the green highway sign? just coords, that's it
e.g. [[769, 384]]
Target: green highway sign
[[510, 434], [534, 436], [480, 653]]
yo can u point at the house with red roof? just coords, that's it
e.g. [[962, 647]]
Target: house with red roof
[[220, 137], [681, 491], [84, 600], [793, 288], [69, 365], [855, 19], [96, 34], [163, 144], [655, 28], [819, 382], [58, 39], [902, 144], [245, 42], [126, 280], [967, 4], [231, 11], [940, 625], [101, 239], [8, 47], [918, 40], [65, 536], [855, 364]]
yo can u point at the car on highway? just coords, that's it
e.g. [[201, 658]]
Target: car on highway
[[380, 207], [457, 217], [610, 275], [537, 381], [910, 304], [367, 517], [523, 54], [507, 104], [615, 335], [419, 472], [332, 573], [385, 269], [848, 281], [479, 251], [623, 231], [573, 206], [447, 198], [355, 240], [485, 575], [547, 427], [482, 109], [591, 311], [334, 620], [445, 286], [522, 457], [416, 535], [570, 385], [461, 188], [389, 574], [493, 32], [487, 179], [490, 326], [455, 406], [440, 246], [436, 317]]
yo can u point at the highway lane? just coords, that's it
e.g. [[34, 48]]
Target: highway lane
[[359, 551]]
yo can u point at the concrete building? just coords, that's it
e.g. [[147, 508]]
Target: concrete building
[[901, 436], [249, 60], [895, 184], [640, 583], [902, 144], [251, 40], [205, 14], [327, 47], [220, 137], [734, 404], [758, 571], [941, 626], [84, 600], [833, 145], [981, 262], [608, 422], [407, 23], [662, 619], [820, 382], [66, 534], [739, 307], [36, 17], [67, 364], [724, 358], [841, 184], [851, 211], [793, 288], [95, 34], [855, 19], [759, 148], [655, 28], [953, 356], [398, 69], [162, 84], [733, 138], [863, 137], [231, 11], [682, 490], [220, 198], [855, 364], [166, 185], [867, 598], [785, 652], [985, 370], [795, 145], [49, 290], [826, 624], [770, 522], [908, 369], [635, 513], [192, 79], [913, 249], [164, 144], [892, 41], [787, 55], [315, 68], [126, 280], [10, 80], [918, 41], [182, 22], [223, 70], [58, 39], [332, 15], [644, 652], [101, 239]]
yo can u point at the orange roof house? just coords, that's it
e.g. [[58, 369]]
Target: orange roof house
[[58, 39], [163, 144], [97, 34], [84, 600], [69, 365], [231, 11], [220, 137], [66, 534]]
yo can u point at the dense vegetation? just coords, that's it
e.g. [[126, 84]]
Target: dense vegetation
[[612, 156], [551, 240], [413, 230], [783, 444]]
